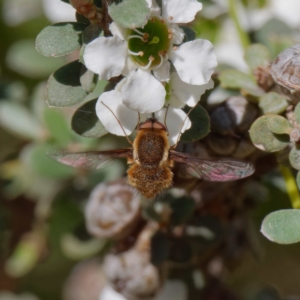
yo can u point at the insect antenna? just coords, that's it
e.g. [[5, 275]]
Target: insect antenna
[[139, 120], [180, 133], [165, 119], [129, 141]]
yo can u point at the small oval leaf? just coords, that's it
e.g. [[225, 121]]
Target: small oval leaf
[[58, 126], [282, 226], [200, 125], [278, 124], [298, 180], [130, 13], [294, 157], [86, 123], [234, 79], [44, 165], [88, 79], [297, 113], [19, 120], [23, 58], [273, 103], [60, 39], [189, 34], [264, 139], [257, 55], [64, 86], [90, 33]]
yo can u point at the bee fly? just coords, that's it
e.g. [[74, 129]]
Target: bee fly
[[151, 160]]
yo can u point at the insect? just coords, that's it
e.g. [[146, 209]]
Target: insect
[[151, 160]]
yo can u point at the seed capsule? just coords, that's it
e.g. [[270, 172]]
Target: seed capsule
[[285, 71], [112, 211]]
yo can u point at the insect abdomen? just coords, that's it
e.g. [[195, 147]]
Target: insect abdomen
[[150, 181]]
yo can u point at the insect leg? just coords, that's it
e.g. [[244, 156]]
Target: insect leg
[[129, 141], [180, 133]]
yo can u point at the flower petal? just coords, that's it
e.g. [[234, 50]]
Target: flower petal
[[174, 101], [106, 56], [109, 294], [129, 66], [177, 33], [115, 114], [194, 61], [181, 11], [187, 93], [163, 73], [117, 31], [177, 121], [142, 92], [154, 7]]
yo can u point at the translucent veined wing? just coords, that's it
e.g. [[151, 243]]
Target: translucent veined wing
[[213, 170], [89, 160]]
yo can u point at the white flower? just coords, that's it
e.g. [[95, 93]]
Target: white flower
[[109, 294], [118, 119], [182, 93], [149, 49]]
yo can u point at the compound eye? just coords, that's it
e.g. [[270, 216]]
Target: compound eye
[[158, 125], [152, 124]]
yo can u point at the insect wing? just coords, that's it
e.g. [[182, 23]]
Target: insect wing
[[213, 170], [89, 160]]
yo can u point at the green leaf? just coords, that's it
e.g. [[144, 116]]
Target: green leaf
[[45, 166], [82, 19], [257, 55], [264, 139], [294, 157], [23, 58], [15, 91], [60, 39], [276, 35], [88, 79], [273, 103], [233, 79], [182, 209], [77, 249], [85, 121], [90, 33], [19, 120], [278, 124], [64, 86], [282, 226], [189, 34], [130, 13], [207, 29], [159, 248], [26, 255], [200, 125], [297, 113], [298, 180], [57, 125]]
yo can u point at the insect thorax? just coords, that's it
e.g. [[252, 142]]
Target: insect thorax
[[151, 147]]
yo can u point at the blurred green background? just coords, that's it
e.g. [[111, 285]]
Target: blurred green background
[[42, 231]]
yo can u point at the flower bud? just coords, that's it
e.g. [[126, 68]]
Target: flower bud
[[86, 281], [113, 210], [285, 71], [131, 274], [263, 77], [234, 116], [222, 145], [295, 135], [242, 112], [88, 9]]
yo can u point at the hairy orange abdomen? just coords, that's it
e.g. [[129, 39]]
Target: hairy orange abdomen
[[150, 171]]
